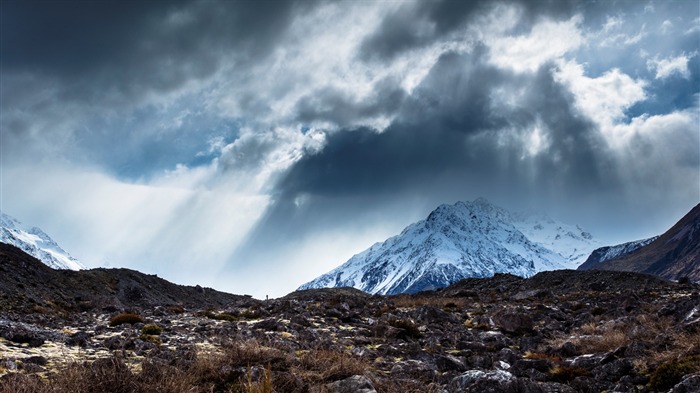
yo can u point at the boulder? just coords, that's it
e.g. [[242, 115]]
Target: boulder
[[354, 384]]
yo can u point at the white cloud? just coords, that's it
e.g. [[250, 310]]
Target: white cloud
[[546, 41], [666, 26], [673, 65], [603, 99], [614, 33], [695, 28], [660, 153], [612, 23]]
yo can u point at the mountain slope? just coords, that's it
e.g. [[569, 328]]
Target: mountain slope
[[472, 239], [603, 254], [673, 255], [27, 284], [36, 243], [569, 241]]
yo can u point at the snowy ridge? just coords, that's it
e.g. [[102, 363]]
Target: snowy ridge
[[468, 239], [569, 241], [36, 243], [611, 252]]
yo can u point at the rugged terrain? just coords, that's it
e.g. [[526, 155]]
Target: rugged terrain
[[607, 253], [674, 255], [27, 285], [561, 331]]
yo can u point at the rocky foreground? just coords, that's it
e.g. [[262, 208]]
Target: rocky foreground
[[559, 331]]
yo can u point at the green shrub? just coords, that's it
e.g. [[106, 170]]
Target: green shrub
[[672, 372], [151, 339], [224, 316], [250, 314], [125, 318], [152, 329]]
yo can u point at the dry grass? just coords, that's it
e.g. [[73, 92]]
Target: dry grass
[[409, 301], [246, 367], [563, 373], [261, 385], [324, 366], [545, 356]]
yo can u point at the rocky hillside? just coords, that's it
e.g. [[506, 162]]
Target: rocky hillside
[[26, 285], [607, 253], [673, 255], [562, 331]]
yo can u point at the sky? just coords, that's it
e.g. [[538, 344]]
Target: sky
[[251, 146]]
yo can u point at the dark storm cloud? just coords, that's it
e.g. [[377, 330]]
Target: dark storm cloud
[[413, 25], [449, 139], [340, 108], [131, 47], [95, 75], [452, 122]]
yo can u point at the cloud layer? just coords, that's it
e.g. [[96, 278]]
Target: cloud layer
[[215, 142]]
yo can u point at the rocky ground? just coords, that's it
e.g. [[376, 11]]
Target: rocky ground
[[556, 332]]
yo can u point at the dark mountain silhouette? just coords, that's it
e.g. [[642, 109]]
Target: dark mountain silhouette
[[673, 255], [27, 284]]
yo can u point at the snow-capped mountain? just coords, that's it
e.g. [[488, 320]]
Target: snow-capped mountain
[[569, 241], [36, 243], [468, 239], [611, 252]]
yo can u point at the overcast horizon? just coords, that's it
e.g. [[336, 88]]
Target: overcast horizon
[[251, 146]]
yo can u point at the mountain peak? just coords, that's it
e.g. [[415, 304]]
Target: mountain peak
[[467, 239], [36, 243]]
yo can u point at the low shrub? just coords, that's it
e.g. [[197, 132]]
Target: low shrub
[[224, 316], [123, 318], [152, 329], [151, 339], [670, 373], [250, 314], [176, 309]]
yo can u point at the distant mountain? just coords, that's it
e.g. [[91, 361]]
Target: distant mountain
[[27, 284], [468, 239], [603, 254], [36, 243], [673, 255]]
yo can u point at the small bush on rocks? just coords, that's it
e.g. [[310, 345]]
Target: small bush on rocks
[[123, 318], [670, 373], [152, 329]]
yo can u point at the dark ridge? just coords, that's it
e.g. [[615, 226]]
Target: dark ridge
[[674, 255], [559, 282], [27, 284]]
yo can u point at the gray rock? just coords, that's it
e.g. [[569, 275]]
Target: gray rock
[[513, 322], [354, 384], [689, 384], [471, 377]]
